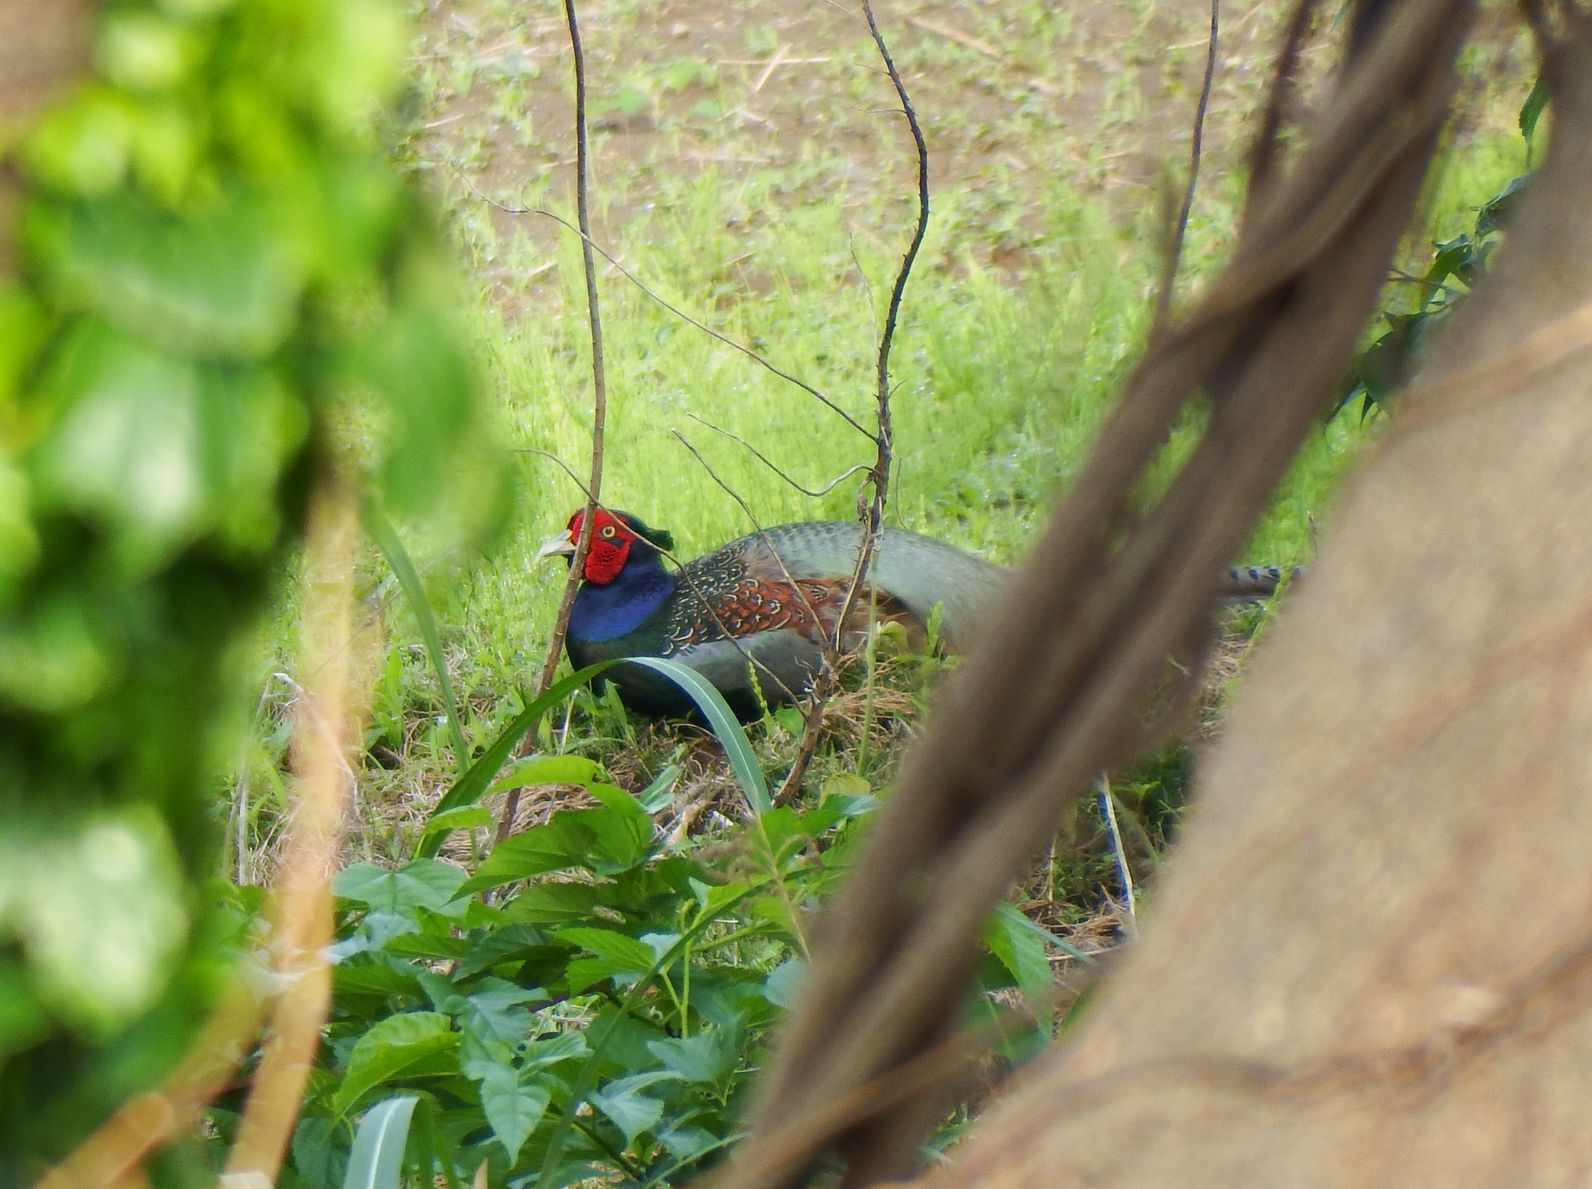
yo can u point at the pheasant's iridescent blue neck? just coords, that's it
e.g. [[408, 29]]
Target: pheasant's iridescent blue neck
[[603, 611]]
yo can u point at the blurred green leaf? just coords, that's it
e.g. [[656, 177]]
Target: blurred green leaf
[[1531, 110], [225, 285], [102, 954], [378, 1155], [1021, 951]]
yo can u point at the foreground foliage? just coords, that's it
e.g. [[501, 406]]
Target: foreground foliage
[[214, 265]]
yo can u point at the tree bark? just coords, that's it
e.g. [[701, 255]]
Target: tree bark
[[1076, 653], [1378, 969]]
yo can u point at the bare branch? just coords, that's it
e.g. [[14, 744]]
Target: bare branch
[[589, 245], [766, 461], [1174, 250], [884, 440], [555, 647]]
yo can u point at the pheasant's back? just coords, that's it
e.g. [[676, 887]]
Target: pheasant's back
[[917, 572]]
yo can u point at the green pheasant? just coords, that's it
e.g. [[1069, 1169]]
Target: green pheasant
[[763, 607]]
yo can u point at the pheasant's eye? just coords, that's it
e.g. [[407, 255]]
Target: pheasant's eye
[[609, 530]]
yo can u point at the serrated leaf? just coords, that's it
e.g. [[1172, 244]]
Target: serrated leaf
[[552, 1050], [320, 1149], [615, 954], [607, 839], [704, 1059], [547, 903], [495, 1009], [1531, 110], [391, 1048]]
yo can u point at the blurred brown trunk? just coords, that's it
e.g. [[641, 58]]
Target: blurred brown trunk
[[1059, 687], [1369, 962], [43, 46]]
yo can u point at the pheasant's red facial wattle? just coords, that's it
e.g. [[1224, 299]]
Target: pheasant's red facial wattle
[[610, 545]]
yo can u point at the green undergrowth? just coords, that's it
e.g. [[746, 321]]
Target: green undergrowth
[[589, 1002]]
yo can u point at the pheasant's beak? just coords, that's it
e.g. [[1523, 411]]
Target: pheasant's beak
[[563, 543]]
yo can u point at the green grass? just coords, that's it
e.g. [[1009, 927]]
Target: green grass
[[1024, 315]]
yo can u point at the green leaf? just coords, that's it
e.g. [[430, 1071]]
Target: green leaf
[[784, 982], [419, 883], [554, 1050], [222, 285], [737, 748], [494, 1009], [320, 1149], [160, 449], [472, 786], [399, 1045], [513, 1107], [704, 1059], [392, 548], [1020, 950], [608, 839], [616, 954], [378, 1157], [1531, 110], [103, 953], [549, 903], [1019, 921], [657, 795], [548, 770], [627, 1107], [466, 817], [1497, 209]]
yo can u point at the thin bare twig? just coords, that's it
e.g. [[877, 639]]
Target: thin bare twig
[[830, 660], [590, 245], [872, 513], [577, 567], [1174, 250], [769, 463], [562, 465], [884, 439]]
